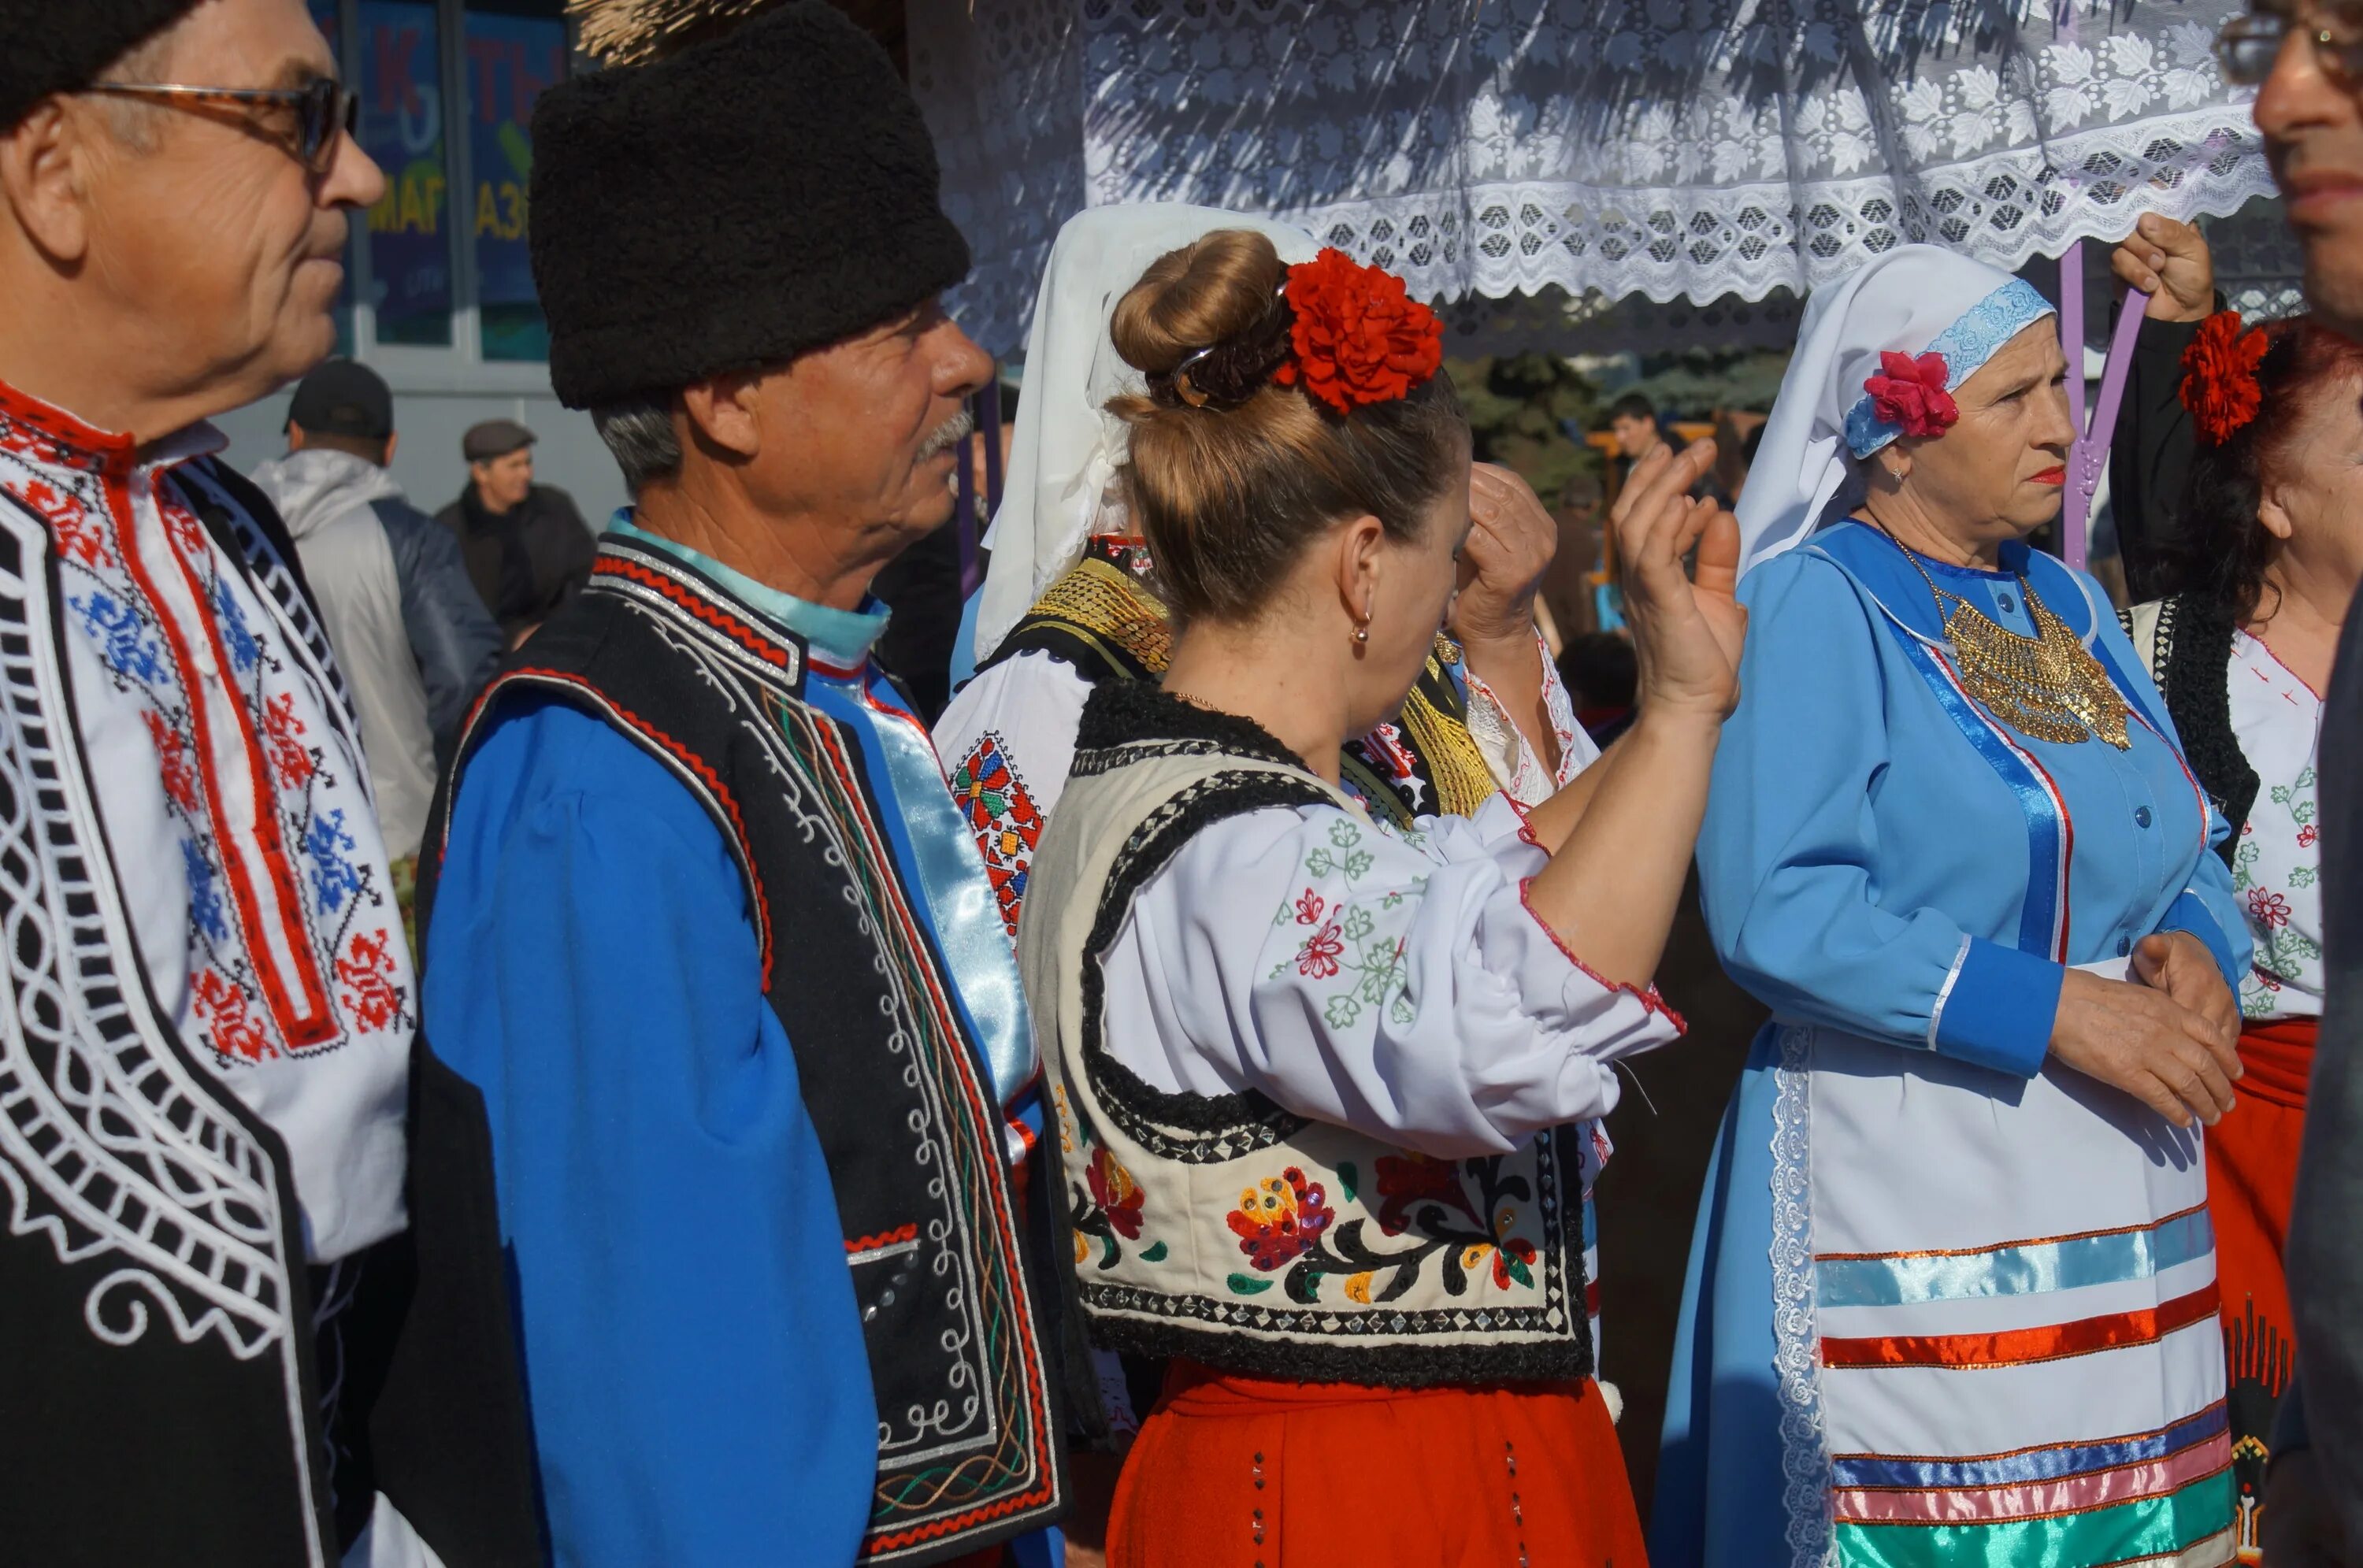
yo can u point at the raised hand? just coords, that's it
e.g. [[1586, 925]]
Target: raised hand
[[1511, 542], [1687, 636], [2169, 263]]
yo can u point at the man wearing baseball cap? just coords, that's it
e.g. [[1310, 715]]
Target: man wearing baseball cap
[[236, 1321], [414, 641], [528, 549]]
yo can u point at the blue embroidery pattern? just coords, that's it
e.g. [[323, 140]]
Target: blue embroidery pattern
[[1966, 344], [245, 653], [122, 640], [204, 899], [333, 876]]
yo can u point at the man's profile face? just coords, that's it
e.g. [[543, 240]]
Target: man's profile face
[[860, 431], [504, 481], [2313, 135], [1632, 434], [206, 223]]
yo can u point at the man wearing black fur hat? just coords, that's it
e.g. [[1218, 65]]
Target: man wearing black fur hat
[[709, 932], [228, 1338]]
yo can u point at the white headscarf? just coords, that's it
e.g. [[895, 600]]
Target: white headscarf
[[1914, 300], [1067, 447]]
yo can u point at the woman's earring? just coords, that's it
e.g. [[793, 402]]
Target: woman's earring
[[1362, 633]]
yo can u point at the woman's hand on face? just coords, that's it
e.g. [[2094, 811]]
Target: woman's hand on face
[[2179, 963], [1511, 542], [2169, 263], [2146, 1043], [1687, 634]]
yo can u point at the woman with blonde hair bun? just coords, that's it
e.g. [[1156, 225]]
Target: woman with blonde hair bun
[[1312, 1070]]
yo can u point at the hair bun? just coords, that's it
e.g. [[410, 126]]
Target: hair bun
[[1214, 297]]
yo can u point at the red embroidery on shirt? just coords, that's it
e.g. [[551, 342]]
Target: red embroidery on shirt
[[2307, 834], [1309, 907], [172, 758], [235, 1032], [290, 762], [374, 1000], [70, 522], [180, 525], [1318, 956], [2267, 907]]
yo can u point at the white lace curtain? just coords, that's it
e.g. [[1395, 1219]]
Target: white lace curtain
[[1671, 149]]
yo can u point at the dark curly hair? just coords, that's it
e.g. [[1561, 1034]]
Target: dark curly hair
[[2218, 551]]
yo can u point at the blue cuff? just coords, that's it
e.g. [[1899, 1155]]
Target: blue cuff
[[1998, 1008], [2187, 913]]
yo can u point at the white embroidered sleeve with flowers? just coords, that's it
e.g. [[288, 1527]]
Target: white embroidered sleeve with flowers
[[1392, 982], [1516, 765]]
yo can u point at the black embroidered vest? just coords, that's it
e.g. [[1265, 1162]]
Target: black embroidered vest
[[907, 1117]]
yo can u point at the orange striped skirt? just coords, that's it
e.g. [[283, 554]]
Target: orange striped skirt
[[1245, 1470]]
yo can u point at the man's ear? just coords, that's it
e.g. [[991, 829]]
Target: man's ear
[[44, 179], [295, 436], [392, 439], [725, 416]]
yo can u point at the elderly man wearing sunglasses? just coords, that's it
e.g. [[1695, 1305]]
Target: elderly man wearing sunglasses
[[2306, 61], [238, 1320]]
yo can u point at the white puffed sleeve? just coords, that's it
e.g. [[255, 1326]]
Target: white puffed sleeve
[[1395, 983], [1006, 742], [1517, 766]]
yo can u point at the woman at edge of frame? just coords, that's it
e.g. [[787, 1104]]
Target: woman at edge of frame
[[1952, 1292], [1311, 1069]]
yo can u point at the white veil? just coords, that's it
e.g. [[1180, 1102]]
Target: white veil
[[1065, 448]]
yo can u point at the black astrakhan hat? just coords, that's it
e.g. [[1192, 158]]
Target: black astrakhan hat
[[47, 47], [752, 196]]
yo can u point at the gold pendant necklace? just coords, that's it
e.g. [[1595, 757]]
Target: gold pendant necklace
[[2047, 686]]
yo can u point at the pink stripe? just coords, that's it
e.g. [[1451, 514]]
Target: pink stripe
[[2076, 1493]]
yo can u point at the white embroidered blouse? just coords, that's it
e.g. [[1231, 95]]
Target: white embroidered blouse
[[2277, 719], [1390, 981], [237, 809]]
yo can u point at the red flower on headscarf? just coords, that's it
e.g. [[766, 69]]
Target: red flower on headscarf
[[2219, 377], [1910, 394], [1358, 336]]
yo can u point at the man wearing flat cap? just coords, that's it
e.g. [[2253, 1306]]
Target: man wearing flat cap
[[709, 932], [529, 550], [229, 1337]]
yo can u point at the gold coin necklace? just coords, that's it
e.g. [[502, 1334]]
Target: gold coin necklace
[[2047, 686]]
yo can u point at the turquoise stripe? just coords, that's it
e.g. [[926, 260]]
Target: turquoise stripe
[[2015, 1271], [2149, 1526]]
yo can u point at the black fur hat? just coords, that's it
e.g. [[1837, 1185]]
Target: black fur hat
[[46, 47], [752, 196]]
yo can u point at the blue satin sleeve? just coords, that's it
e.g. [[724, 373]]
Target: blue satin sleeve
[[692, 1352], [1790, 856]]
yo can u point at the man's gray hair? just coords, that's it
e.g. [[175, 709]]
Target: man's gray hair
[[641, 435]]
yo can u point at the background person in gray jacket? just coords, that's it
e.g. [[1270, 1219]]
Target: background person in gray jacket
[[415, 642]]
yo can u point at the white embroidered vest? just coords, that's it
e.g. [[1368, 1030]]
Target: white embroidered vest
[[1225, 1228]]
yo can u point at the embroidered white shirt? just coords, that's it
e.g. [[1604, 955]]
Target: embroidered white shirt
[[2276, 868], [236, 810], [1390, 981]]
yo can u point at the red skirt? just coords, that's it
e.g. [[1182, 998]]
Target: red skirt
[[1241, 1471], [2251, 1171]]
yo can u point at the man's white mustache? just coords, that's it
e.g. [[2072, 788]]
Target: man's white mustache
[[950, 434]]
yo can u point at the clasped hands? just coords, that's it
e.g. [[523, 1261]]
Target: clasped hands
[[2169, 1037]]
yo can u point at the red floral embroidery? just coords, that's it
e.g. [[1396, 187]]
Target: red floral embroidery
[[173, 760], [1118, 1195], [77, 538], [1911, 393], [1281, 1220], [1318, 956], [374, 1000], [1309, 907], [221, 1006], [2267, 907], [1513, 1261], [2219, 377], [1358, 336], [187, 534], [1003, 815], [1410, 1180], [2307, 834], [290, 762]]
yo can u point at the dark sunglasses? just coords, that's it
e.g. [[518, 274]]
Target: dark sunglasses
[[2248, 45], [324, 110]]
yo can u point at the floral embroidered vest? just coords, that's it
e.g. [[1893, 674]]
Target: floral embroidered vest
[[1225, 1228]]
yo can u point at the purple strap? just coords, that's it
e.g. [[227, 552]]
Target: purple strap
[[970, 518], [2088, 459]]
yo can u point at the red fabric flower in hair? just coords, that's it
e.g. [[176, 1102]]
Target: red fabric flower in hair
[[2219, 377], [1359, 338], [1910, 394]]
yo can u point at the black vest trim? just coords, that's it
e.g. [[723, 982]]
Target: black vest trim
[[2194, 661], [908, 1122]]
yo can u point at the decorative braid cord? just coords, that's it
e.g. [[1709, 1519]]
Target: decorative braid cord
[[1097, 598]]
